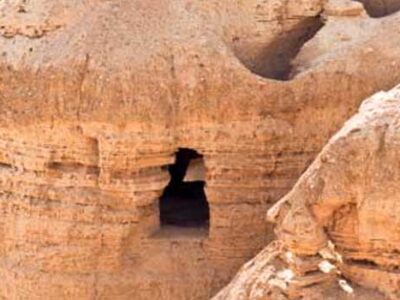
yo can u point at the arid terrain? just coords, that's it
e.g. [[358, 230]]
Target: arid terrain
[[194, 150]]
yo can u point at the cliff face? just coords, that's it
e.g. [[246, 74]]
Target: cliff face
[[96, 98], [340, 220]]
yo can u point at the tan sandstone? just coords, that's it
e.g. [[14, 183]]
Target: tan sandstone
[[96, 97], [343, 210]]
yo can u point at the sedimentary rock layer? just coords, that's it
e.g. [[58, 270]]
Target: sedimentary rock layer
[[97, 96], [341, 213]]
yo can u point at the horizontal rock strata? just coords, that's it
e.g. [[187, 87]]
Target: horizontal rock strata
[[96, 97], [337, 228]]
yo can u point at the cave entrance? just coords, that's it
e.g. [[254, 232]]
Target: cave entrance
[[274, 59], [184, 202], [382, 8]]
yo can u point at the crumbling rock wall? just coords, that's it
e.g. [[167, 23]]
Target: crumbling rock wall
[[97, 96], [340, 220]]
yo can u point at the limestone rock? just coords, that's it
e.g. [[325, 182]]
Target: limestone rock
[[345, 204], [96, 99]]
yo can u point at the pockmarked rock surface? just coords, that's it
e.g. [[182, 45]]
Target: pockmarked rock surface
[[337, 229], [97, 97]]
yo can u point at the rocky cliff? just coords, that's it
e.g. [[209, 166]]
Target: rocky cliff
[[337, 229], [98, 98]]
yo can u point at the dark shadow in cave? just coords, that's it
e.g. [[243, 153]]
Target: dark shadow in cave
[[274, 61], [184, 204], [380, 8]]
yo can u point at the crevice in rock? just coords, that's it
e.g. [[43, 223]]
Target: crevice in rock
[[274, 61], [73, 167], [184, 203], [370, 264], [363, 263], [380, 8], [5, 165]]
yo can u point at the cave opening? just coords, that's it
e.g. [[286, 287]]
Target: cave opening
[[379, 9], [184, 202], [274, 60]]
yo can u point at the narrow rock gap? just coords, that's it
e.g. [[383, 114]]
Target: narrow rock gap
[[184, 202], [380, 8], [72, 167], [274, 62], [5, 165], [362, 263]]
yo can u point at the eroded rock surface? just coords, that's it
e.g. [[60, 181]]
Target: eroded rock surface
[[96, 97], [339, 224]]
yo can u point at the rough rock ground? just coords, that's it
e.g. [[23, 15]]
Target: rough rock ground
[[97, 96], [344, 212]]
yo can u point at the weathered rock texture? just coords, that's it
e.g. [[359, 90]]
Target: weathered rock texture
[[97, 96], [345, 204]]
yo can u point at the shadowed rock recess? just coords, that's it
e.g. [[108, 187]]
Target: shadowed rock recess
[[142, 143], [381, 8]]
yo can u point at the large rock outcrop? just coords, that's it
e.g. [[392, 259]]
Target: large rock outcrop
[[340, 221], [96, 97]]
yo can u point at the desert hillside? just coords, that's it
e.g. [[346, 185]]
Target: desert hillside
[[144, 142]]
